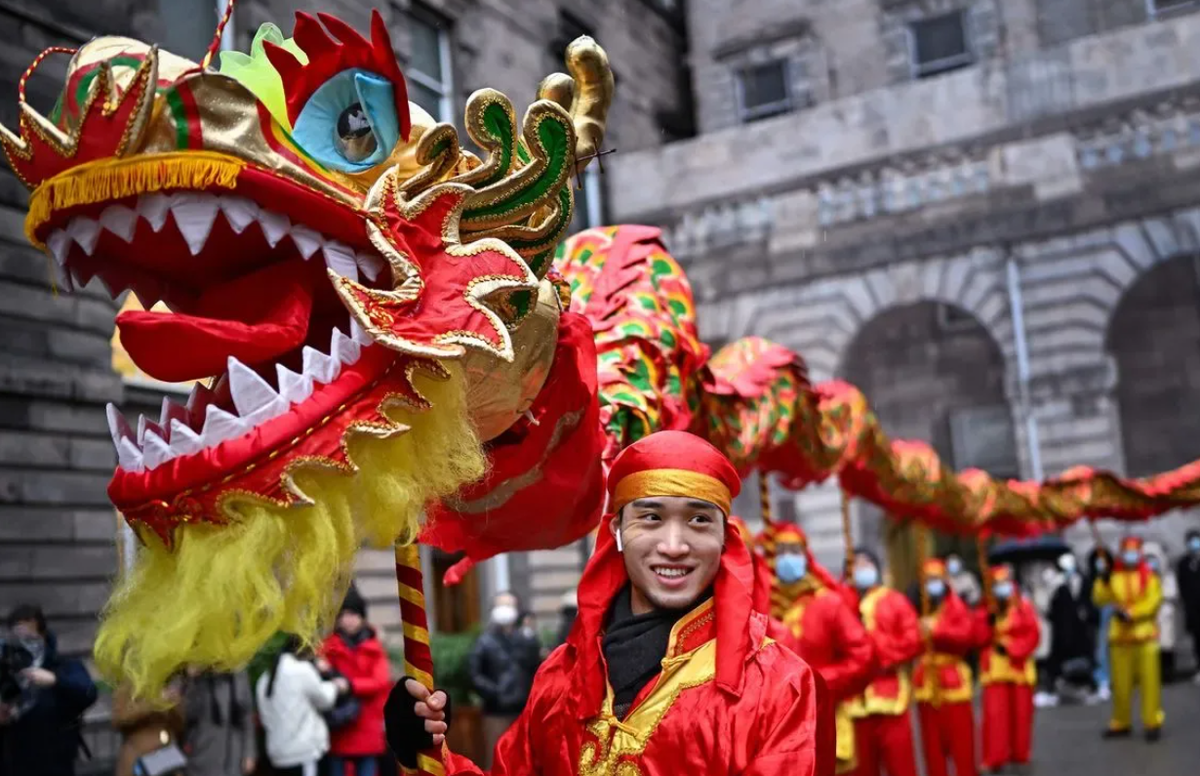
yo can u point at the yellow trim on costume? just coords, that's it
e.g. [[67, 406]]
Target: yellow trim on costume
[[1000, 667], [871, 702], [105, 180], [697, 618], [931, 689], [844, 751], [671, 482]]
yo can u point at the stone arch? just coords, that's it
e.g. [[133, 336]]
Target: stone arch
[[1154, 338], [820, 318], [940, 379]]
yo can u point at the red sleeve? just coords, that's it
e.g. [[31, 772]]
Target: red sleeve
[[379, 680], [897, 636], [1024, 632], [852, 670], [802, 738], [955, 630], [513, 755], [984, 632]]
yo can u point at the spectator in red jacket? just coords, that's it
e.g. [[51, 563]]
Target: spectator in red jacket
[[354, 651]]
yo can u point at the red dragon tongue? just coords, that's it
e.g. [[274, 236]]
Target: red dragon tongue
[[255, 318]]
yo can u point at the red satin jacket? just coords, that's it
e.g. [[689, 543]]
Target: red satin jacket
[[1018, 630], [891, 623], [941, 674], [824, 630], [728, 700]]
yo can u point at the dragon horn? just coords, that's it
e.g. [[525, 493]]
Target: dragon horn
[[587, 94]]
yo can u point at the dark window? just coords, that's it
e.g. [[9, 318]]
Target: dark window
[[1156, 7], [764, 90], [940, 44], [983, 438], [429, 71], [953, 318]]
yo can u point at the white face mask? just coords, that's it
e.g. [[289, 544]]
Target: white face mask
[[504, 615]]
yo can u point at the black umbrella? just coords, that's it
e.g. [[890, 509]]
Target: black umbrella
[[1026, 550]]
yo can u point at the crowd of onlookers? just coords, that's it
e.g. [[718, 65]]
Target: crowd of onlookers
[[310, 712], [320, 713]]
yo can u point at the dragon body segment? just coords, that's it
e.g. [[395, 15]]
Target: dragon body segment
[[387, 331]]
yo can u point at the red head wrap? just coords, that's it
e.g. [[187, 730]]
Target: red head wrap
[[672, 463]]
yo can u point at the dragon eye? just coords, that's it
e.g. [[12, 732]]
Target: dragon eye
[[353, 137], [349, 123]]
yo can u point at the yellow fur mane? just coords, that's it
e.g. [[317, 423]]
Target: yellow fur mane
[[224, 590]]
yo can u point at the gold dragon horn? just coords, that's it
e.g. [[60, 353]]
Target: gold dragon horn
[[586, 93]]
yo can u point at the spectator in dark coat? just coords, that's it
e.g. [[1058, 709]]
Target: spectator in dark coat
[[1072, 648], [219, 735], [354, 652], [502, 664], [40, 723], [1188, 577]]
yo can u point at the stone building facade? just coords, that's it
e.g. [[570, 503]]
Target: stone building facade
[[984, 213], [57, 528]]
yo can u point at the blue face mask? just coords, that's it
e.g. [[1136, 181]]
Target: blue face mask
[[791, 567], [954, 566], [866, 577], [1194, 544], [935, 588], [1131, 557], [1003, 590]]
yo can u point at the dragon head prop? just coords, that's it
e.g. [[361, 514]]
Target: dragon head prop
[[368, 302]]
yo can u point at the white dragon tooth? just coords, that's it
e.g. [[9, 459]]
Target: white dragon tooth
[[370, 264], [65, 279], [145, 425], [154, 208], [59, 245], [118, 426], [194, 217], [319, 366], [274, 226], [306, 240], [184, 441], [293, 387], [200, 397], [250, 392], [340, 258], [85, 231], [343, 348], [129, 457], [219, 425], [170, 412], [239, 212], [358, 335], [155, 451], [119, 220], [145, 297], [266, 412]]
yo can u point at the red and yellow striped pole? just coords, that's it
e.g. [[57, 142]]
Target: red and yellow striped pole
[[418, 660]]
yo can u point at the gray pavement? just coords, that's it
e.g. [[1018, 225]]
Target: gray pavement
[[1067, 740]]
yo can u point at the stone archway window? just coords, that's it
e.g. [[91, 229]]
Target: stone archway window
[[1154, 338]]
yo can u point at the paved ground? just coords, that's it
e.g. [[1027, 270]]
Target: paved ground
[[1067, 741]]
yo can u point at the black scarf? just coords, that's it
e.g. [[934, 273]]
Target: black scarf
[[634, 646]]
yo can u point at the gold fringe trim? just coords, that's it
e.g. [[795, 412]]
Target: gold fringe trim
[[108, 179]]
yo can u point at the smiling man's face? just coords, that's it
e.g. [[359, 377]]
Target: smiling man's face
[[672, 547]]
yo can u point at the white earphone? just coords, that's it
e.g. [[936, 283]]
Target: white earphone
[[620, 548]]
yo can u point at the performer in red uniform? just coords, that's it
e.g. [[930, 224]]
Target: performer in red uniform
[[1007, 673], [883, 733], [943, 678], [824, 630], [667, 669]]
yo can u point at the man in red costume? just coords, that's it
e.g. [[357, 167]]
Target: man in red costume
[[883, 731], [1007, 673], [667, 669], [943, 678], [824, 630]]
